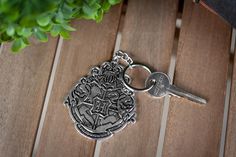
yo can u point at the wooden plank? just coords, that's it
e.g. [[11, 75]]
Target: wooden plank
[[23, 83], [230, 144], [202, 63], [147, 36], [91, 45], [1, 47]]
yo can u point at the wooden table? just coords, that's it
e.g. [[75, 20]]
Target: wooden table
[[197, 54]]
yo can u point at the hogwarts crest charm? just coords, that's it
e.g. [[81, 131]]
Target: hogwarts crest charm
[[100, 104]]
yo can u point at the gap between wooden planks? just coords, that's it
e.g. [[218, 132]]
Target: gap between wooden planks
[[91, 45], [147, 36], [1, 47], [201, 68], [23, 83], [47, 96], [230, 146]]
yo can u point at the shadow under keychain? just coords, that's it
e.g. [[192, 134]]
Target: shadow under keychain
[[103, 102]]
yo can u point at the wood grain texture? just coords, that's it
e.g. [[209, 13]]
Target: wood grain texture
[[91, 45], [23, 83], [147, 36], [230, 146], [202, 63]]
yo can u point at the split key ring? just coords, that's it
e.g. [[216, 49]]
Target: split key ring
[[135, 89]]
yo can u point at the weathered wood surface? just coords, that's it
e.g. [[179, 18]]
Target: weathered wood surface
[[147, 36], [230, 148], [23, 83], [89, 46], [202, 66]]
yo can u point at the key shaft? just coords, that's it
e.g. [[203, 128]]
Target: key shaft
[[176, 91], [162, 87]]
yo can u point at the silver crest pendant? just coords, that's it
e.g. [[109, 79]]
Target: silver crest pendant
[[100, 104]]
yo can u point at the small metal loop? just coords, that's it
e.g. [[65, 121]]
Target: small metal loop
[[134, 65], [120, 55]]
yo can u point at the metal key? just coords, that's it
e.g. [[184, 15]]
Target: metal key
[[162, 87]]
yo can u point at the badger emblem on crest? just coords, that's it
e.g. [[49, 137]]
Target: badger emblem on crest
[[100, 104]]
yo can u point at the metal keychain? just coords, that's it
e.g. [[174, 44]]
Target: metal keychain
[[100, 104], [103, 102]]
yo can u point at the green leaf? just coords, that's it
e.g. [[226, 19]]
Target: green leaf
[[67, 27], [91, 2], [20, 19], [10, 30], [59, 18], [28, 21], [113, 2], [5, 37], [65, 34], [43, 20], [41, 36], [99, 16], [69, 1], [13, 15], [55, 30], [25, 32], [96, 6], [17, 45], [89, 12], [26, 41], [67, 11], [106, 6], [46, 28]]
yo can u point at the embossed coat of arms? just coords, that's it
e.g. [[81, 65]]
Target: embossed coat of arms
[[100, 104]]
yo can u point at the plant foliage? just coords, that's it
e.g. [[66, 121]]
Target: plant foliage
[[21, 19]]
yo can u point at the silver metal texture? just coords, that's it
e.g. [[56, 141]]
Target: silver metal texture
[[127, 84], [103, 103], [162, 87], [120, 55], [100, 104]]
